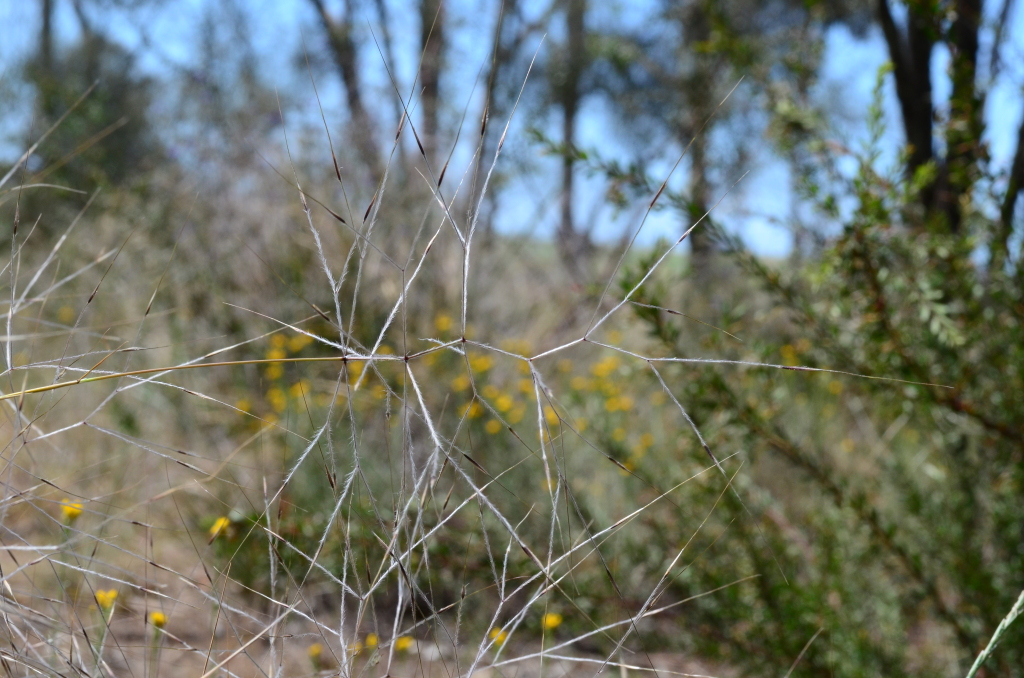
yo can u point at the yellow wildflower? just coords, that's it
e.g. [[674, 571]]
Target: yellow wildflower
[[493, 426], [460, 383], [70, 510], [315, 652], [565, 365], [403, 643], [299, 389], [619, 434], [526, 385], [481, 363], [503, 403], [550, 621], [835, 387], [498, 636], [299, 342], [443, 322], [490, 392], [275, 371], [788, 354], [66, 314], [371, 640], [550, 416], [106, 599], [647, 440], [473, 410], [277, 399], [605, 367], [158, 619], [356, 647], [219, 526], [278, 341]]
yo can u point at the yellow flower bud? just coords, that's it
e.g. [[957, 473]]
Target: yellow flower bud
[[550, 621], [70, 510], [219, 526], [106, 599]]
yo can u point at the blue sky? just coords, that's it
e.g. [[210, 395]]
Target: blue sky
[[164, 34]]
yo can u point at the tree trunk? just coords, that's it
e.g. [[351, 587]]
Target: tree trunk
[[432, 39], [910, 52], [698, 88], [571, 243], [963, 137], [911, 57], [701, 244], [346, 58], [47, 100], [503, 50]]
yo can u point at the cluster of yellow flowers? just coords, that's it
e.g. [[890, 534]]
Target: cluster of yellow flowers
[[606, 379], [316, 650], [280, 347], [548, 622]]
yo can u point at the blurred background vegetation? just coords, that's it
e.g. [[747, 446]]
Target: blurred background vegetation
[[878, 232]]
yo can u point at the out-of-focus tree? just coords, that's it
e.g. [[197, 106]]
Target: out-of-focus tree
[[568, 91], [669, 82], [944, 177], [908, 527], [107, 140], [432, 42], [341, 38]]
